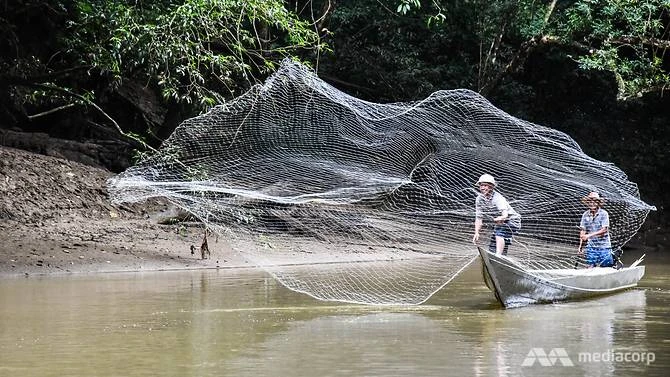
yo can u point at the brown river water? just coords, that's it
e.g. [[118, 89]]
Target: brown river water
[[241, 322]]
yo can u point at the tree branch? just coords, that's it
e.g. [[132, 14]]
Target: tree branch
[[24, 82], [656, 42], [15, 80], [522, 54], [550, 10], [326, 10], [59, 108]]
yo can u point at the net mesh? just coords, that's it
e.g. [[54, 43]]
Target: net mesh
[[354, 201]]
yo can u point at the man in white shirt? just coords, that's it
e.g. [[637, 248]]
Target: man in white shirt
[[491, 203]]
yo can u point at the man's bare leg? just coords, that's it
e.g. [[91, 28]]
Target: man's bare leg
[[500, 245]]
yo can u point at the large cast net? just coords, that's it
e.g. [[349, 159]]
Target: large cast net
[[354, 201]]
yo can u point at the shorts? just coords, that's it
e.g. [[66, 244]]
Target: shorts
[[506, 231], [599, 256]]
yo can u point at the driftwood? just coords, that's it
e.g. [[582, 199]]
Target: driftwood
[[204, 248]]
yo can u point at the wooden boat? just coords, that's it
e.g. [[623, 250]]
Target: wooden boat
[[515, 286]]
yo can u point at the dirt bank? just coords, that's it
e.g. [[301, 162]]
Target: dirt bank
[[55, 217]]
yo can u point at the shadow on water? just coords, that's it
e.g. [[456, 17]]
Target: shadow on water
[[242, 322]]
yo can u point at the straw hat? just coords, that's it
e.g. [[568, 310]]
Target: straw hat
[[593, 196]]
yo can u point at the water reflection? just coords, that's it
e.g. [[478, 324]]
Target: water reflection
[[214, 323], [590, 326]]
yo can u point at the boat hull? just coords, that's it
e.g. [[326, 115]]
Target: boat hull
[[513, 286]]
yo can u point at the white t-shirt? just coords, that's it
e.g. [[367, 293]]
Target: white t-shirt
[[494, 206]]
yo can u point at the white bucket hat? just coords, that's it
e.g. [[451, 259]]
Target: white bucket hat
[[486, 178]]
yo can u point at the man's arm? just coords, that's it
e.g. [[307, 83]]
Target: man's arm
[[478, 227], [598, 233], [582, 238], [502, 217], [503, 206]]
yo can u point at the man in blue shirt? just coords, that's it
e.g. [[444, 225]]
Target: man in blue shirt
[[595, 232]]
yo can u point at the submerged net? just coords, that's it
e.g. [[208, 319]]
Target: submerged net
[[361, 202]]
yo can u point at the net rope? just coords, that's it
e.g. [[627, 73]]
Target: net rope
[[354, 201]]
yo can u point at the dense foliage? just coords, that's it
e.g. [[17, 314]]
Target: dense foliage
[[195, 50], [196, 53], [416, 47]]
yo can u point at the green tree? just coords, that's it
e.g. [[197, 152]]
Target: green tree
[[197, 50], [195, 53], [382, 55], [626, 37]]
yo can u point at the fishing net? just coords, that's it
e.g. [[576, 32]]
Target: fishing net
[[354, 201]]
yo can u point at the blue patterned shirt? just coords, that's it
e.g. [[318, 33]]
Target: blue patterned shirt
[[593, 224]]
